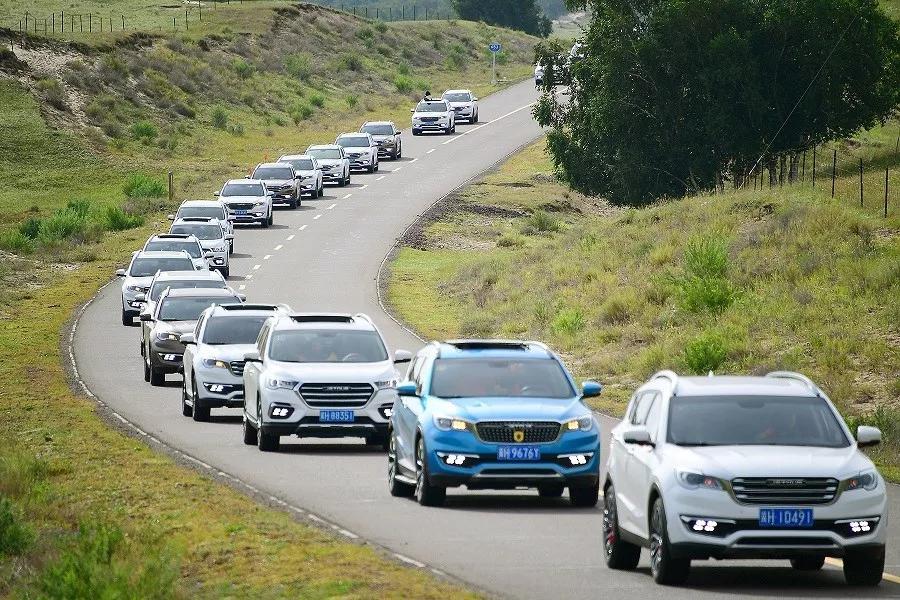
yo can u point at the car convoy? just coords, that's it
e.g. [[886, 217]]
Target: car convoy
[[700, 467]]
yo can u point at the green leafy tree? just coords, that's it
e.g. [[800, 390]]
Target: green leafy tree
[[671, 96], [524, 15]]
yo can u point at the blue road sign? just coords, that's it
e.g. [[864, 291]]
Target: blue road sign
[[494, 47]]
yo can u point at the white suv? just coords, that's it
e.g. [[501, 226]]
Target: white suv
[[213, 240], [361, 149], [741, 467], [464, 103], [319, 375]]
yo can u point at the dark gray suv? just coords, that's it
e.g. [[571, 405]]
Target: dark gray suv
[[386, 136]]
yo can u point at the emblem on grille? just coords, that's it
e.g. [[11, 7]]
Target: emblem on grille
[[786, 482], [518, 435], [337, 388]]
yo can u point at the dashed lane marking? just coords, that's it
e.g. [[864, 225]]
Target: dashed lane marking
[[380, 177], [332, 206], [290, 237], [242, 287], [430, 151], [317, 217], [397, 169], [364, 186], [347, 196], [248, 277], [302, 227], [408, 560], [279, 247], [256, 267], [413, 160], [267, 257]]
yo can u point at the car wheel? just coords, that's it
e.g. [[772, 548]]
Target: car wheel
[[377, 166], [808, 563], [226, 271], [618, 553], [370, 168], [864, 567], [231, 247], [453, 128], [157, 378], [416, 132], [475, 118], [249, 432], [146, 366], [665, 569], [201, 413], [186, 409], [265, 441], [426, 494], [584, 497], [127, 319], [271, 218], [397, 488], [321, 191], [399, 151], [551, 491]]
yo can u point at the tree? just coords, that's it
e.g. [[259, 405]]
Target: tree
[[524, 15], [671, 95]]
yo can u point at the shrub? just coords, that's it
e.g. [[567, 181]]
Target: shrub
[[380, 27], [706, 256], [317, 100], [53, 92], [457, 57], [116, 219], [479, 326], [61, 226], [80, 208], [139, 185], [403, 69], [706, 352], [30, 227], [300, 111], [618, 308], [243, 69], [299, 66], [143, 130], [568, 321], [352, 100], [15, 535], [510, 240], [16, 242], [112, 129], [236, 130], [219, 118], [696, 294], [365, 33], [543, 222], [404, 83], [349, 62]]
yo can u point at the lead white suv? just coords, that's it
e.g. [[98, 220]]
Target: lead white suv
[[741, 467], [319, 375]]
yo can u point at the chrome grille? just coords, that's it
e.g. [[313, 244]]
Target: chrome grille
[[784, 490], [237, 368], [337, 395], [241, 206], [429, 119], [503, 432]]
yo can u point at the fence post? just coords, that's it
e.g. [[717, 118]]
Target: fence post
[[200, 8], [833, 170], [53, 21], [860, 183], [62, 21], [186, 25], [81, 22], [174, 24], [803, 168], [123, 22], [414, 12], [886, 169], [814, 167], [171, 187]]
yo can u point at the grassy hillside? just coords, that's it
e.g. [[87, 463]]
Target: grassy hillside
[[744, 282]]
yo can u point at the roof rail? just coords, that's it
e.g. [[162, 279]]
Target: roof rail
[[796, 377], [364, 316], [250, 306], [666, 374]]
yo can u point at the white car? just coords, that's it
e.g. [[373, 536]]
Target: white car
[[433, 115], [464, 104], [742, 467], [334, 162], [178, 280], [137, 277], [247, 201], [361, 149], [319, 375], [214, 356], [175, 242], [212, 238], [538, 74], [309, 173], [212, 209]]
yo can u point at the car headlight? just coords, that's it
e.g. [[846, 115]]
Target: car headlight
[[693, 480], [864, 481], [212, 363], [387, 384], [451, 423], [133, 288], [579, 424], [277, 383], [167, 336]]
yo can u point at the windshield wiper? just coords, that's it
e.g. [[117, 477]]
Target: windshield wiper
[[694, 444]]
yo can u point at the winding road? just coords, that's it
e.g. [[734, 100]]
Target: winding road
[[327, 256]]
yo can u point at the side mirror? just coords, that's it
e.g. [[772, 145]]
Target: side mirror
[[474, 99], [229, 236], [171, 217], [207, 255], [867, 436], [412, 110], [246, 177], [120, 272], [242, 297], [398, 132], [145, 317], [402, 356], [407, 388], [140, 297], [216, 194], [640, 437], [187, 338], [252, 357], [590, 389]]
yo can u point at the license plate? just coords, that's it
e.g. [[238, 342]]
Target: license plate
[[789, 518], [522, 453], [241, 212], [336, 416]]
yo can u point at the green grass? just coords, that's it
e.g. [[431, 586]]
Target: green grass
[[744, 282]]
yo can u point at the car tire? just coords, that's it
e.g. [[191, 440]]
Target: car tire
[[808, 563], [157, 378], [377, 166], [321, 191], [416, 132], [864, 567], [551, 491], [475, 118], [618, 553], [249, 432], [186, 409], [265, 441], [127, 319], [453, 129], [146, 365], [426, 494], [370, 168], [271, 220], [584, 496], [665, 569], [398, 489], [201, 413], [226, 271], [231, 247]]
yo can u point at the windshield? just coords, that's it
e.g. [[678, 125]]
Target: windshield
[[213, 212], [192, 248], [356, 141], [203, 231], [145, 267], [243, 329], [301, 164], [436, 106], [323, 346], [458, 97], [379, 129], [499, 377], [324, 152], [189, 309], [243, 189], [160, 286], [753, 421], [265, 173]]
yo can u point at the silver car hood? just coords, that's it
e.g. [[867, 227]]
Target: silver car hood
[[242, 199], [336, 372], [419, 115], [332, 162]]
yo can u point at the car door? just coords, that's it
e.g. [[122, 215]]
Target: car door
[[190, 351], [410, 409], [626, 489], [253, 372], [642, 462]]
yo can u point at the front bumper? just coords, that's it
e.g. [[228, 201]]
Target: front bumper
[[431, 126], [252, 215], [131, 306], [363, 162], [369, 420], [387, 149], [335, 175], [282, 198], [218, 388]]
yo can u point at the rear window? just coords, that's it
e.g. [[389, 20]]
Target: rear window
[[301, 164], [212, 212], [146, 267], [432, 107], [458, 97], [160, 286], [244, 189], [232, 329], [331, 153], [327, 346], [378, 129]]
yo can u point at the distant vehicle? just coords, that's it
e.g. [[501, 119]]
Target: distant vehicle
[[281, 183], [175, 313], [538, 74], [492, 414], [334, 162], [247, 201], [319, 375], [464, 103], [212, 238], [174, 242], [137, 277], [433, 115], [214, 356], [178, 280], [741, 467], [386, 136], [361, 149], [309, 173], [212, 209]]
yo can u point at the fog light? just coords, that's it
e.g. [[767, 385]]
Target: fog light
[[708, 525], [458, 460], [386, 410], [858, 526], [169, 356], [280, 411], [575, 460]]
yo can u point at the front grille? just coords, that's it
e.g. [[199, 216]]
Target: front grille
[[503, 432], [237, 368], [241, 206], [784, 490], [337, 395], [429, 119]]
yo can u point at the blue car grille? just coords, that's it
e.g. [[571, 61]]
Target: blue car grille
[[504, 432]]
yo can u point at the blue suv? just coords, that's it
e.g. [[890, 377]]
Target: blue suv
[[492, 414]]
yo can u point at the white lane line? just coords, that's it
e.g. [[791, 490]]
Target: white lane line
[[248, 277], [380, 178], [242, 287], [430, 151], [267, 257], [279, 247], [290, 237], [474, 129], [362, 187], [408, 560], [397, 169], [317, 217], [453, 139], [302, 227], [413, 160], [347, 196], [331, 207], [256, 267]]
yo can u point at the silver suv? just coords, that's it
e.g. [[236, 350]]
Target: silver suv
[[433, 115], [464, 103], [334, 162], [319, 375], [136, 278], [281, 182], [178, 280], [247, 201], [386, 136], [175, 242], [361, 149], [309, 173], [212, 238], [211, 209]]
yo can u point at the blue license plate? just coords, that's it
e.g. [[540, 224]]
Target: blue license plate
[[241, 212], [522, 453], [336, 416], [786, 518]]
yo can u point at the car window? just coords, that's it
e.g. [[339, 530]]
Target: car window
[[379, 129], [189, 309], [203, 231], [212, 212], [199, 326], [159, 287], [641, 408], [354, 141], [301, 164], [327, 346], [145, 267], [499, 378], [458, 97], [435, 106], [653, 414], [243, 189], [164, 245], [242, 329], [272, 173], [326, 153]]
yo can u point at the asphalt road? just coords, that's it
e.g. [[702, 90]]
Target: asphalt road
[[326, 256]]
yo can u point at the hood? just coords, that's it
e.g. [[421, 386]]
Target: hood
[[242, 199], [226, 352], [277, 182], [357, 148], [418, 115], [331, 162], [141, 281], [491, 409], [381, 138], [461, 104], [309, 173], [209, 244], [337, 372], [174, 326], [768, 461]]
